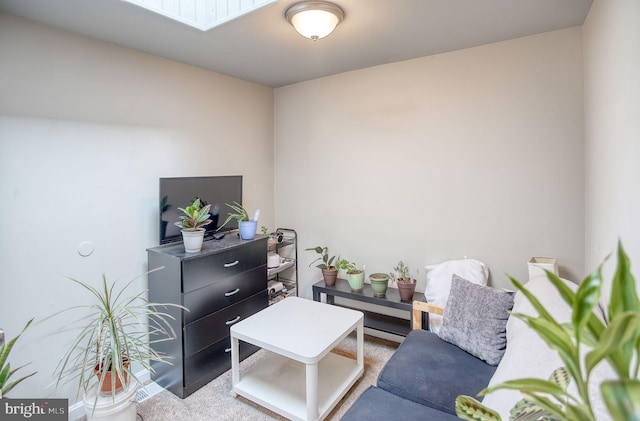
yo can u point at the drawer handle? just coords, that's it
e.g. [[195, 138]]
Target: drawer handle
[[227, 350], [230, 293], [230, 322], [232, 264]]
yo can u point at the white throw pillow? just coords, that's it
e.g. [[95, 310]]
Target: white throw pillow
[[439, 282]]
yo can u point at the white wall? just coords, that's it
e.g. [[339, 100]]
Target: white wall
[[86, 130], [474, 153], [612, 131]]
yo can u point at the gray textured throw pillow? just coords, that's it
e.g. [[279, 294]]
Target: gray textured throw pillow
[[475, 319]]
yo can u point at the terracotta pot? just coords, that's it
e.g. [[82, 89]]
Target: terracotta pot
[[406, 291], [106, 385], [330, 275]]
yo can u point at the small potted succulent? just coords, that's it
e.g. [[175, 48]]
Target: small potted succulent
[[355, 275], [329, 271], [246, 225], [405, 282], [195, 217]]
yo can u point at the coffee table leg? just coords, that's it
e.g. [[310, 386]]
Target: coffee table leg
[[360, 344], [312, 391], [235, 362]]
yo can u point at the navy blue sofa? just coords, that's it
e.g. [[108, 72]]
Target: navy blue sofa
[[421, 381]]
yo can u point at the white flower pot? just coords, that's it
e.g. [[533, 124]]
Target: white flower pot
[[192, 240], [105, 408]]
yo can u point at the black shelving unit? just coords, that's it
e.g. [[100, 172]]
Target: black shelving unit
[[283, 280]]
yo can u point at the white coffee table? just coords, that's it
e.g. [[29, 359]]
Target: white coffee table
[[300, 378]]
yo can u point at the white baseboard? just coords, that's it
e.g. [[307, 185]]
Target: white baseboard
[[76, 411]]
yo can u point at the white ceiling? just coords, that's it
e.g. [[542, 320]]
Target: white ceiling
[[262, 47]]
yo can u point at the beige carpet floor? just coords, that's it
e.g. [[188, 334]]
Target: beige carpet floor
[[214, 402]]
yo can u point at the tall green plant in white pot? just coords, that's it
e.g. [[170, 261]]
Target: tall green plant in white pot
[[114, 334], [194, 218], [587, 341]]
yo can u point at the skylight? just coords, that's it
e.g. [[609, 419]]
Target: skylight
[[202, 14]]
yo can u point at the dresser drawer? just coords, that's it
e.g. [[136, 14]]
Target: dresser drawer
[[213, 361], [198, 273], [214, 327], [223, 293]]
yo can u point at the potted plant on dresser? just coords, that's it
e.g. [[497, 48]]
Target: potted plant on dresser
[[115, 332], [355, 275], [329, 271], [195, 217], [405, 282], [246, 226]]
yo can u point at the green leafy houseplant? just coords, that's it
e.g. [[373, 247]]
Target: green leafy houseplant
[[350, 268], [195, 216], [326, 262], [326, 265], [615, 340], [239, 214], [6, 383], [117, 331], [355, 275], [246, 225]]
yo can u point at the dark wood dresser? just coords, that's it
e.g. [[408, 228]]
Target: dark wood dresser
[[220, 285]]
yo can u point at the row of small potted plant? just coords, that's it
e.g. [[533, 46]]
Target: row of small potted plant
[[331, 265]]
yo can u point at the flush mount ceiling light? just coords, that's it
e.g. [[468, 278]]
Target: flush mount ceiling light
[[314, 19]]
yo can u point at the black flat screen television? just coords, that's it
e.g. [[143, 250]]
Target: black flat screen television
[[180, 192]]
